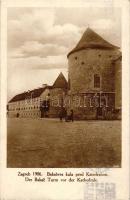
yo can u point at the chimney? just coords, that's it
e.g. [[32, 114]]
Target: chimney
[[44, 85]]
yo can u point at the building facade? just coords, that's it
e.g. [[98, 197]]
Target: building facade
[[28, 104], [39, 103]]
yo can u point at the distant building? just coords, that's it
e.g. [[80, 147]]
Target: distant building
[[93, 89], [36, 103]]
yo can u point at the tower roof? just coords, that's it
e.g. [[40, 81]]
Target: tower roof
[[60, 82], [91, 39]]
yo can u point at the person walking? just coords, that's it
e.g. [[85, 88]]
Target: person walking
[[61, 115], [72, 115]]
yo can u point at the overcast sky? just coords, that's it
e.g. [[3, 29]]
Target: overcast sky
[[40, 38]]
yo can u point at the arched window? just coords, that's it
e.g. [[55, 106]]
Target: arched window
[[96, 81]]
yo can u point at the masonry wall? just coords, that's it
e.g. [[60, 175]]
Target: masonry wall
[[118, 84], [118, 87], [56, 101], [85, 106], [85, 63]]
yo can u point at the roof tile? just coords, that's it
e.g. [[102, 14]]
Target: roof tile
[[91, 39]]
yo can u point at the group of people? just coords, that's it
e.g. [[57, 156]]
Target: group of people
[[67, 115]]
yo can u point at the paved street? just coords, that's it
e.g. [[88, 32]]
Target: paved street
[[50, 143]]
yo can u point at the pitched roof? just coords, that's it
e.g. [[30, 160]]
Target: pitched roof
[[60, 82], [91, 39], [30, 94]]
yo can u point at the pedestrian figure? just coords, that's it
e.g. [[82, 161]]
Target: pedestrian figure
[[65, 114], [104, 110], [61, 115], [72, 115], [69, 116]]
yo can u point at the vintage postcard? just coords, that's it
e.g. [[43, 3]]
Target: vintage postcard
[[65, 100]]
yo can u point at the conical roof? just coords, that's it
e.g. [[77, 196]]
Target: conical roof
[[91, 39], [60, 82]]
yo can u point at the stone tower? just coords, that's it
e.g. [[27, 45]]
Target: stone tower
[[91, 69], [58, 90]]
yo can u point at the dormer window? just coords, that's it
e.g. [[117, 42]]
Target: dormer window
[[96, 81]]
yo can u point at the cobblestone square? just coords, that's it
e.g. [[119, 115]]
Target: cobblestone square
[[49, 143]]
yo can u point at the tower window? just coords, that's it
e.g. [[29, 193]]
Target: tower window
[[82, 63], [96, 81], [76, 58]]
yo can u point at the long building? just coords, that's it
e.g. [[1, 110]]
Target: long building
[[36, 103]]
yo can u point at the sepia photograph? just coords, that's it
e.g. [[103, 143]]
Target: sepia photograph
[[64, 87]]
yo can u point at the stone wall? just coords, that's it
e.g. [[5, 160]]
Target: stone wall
[[56, 101], [118, 87], [86, 106], [85, 63], [118, 84]]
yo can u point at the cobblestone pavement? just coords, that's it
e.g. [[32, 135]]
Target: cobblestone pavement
[[50, 143]]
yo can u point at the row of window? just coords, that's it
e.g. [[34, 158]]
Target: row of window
[[110, 56], [28, 114], [31, 100], [25, 108], [25, 101]]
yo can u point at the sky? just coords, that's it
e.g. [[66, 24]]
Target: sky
[[39, 40]]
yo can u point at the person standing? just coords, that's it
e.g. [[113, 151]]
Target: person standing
[[61, 115], [72, 115]]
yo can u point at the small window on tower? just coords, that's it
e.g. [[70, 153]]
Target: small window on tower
[[82, 63], [76, 58], [96, 81]]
